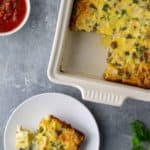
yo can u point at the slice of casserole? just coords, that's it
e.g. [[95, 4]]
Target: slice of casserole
[[125, 26], [54, 134]]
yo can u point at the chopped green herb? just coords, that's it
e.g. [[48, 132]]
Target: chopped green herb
[[123, 12], [57, 145], [136, 1], [141, 48], [106, 7], [41, 129], [109, 59]]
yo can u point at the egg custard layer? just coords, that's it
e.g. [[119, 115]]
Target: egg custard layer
[[52, 134], [125, 27]]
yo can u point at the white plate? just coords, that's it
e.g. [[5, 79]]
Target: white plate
[[29, 113]]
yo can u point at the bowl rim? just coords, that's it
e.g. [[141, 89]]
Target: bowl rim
[[20, 26]]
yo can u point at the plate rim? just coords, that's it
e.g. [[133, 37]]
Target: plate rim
[[50, 93]]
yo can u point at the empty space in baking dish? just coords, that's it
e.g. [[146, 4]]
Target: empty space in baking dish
[[83, 55]]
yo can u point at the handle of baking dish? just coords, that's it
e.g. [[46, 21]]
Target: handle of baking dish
[[110, 97]]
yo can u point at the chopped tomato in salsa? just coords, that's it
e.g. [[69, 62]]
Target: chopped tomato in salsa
[[12, 13]]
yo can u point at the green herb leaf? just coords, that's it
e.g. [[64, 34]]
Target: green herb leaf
[[136, 141], [141, 136], [140, 131]]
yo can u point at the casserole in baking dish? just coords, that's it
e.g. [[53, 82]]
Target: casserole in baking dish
[[78, 59], [125, 26]]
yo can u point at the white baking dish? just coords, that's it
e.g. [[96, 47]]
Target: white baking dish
[[78, 60]]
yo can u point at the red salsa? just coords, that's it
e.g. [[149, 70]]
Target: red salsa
[[12, 13]]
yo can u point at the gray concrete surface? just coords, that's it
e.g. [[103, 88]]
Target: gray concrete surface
[[23, 63]]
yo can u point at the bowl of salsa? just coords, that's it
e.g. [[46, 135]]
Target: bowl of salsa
[[13, 15]]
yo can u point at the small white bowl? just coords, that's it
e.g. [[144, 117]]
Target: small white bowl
[[21, 24]]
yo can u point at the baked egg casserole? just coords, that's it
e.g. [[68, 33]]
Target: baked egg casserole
[[52, 134], [125, 29]]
